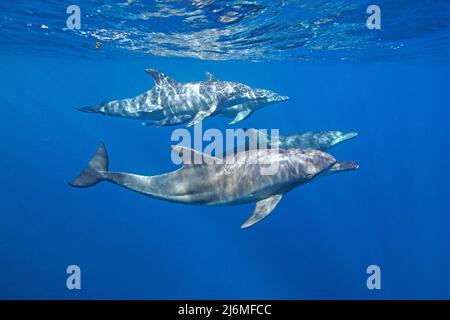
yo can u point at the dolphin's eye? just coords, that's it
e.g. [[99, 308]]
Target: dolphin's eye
[[309, 176]]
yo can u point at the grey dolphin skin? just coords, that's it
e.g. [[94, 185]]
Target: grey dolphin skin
[[171, 102], [232, 181], [319, 140]]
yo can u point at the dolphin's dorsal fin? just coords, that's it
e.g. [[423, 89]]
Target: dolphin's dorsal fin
[[160, 78], [263, 209], [210, 76], [190, 156]]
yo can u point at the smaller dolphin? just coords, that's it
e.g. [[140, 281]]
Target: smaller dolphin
[[318, 140], [171, 102], [216, 182]]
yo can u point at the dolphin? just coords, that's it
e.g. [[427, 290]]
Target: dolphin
[[171, 102], [319, 140], [228, 181]]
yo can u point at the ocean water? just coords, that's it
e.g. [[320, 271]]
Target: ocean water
[[390, 85]]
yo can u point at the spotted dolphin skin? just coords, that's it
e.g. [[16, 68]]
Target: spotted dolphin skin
[[171, 102], [319, 140], [214, 182]]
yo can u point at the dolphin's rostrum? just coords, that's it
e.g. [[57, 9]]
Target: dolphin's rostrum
[[171, 102], [223, 182]]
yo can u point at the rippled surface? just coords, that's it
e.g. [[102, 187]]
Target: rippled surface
[[220, 30]]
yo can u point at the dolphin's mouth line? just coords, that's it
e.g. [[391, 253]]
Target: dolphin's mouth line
[[277, 99], [266, 100], [345, 137], [350, 135]]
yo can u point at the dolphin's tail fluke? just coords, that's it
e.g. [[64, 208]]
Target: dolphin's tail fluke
[[94, 171]]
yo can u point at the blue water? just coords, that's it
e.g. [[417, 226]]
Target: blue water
[[391, 86]]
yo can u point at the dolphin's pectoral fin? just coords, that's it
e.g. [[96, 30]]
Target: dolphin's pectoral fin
[[209, 76], [160, 78], [202, 115], [241, 116], [192, 157], [262, 210]]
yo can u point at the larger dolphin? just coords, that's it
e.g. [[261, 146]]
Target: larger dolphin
[[171, 102], [232, 181]]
